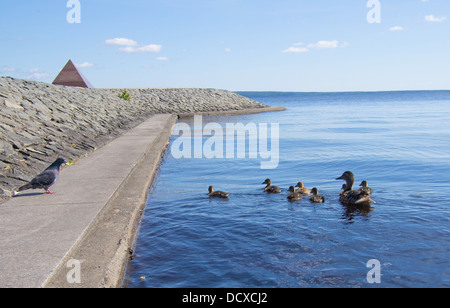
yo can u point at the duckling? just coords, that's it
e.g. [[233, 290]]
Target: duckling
[[316, 198], [303, 190], [294, 195], [344, 186], [353, 197], [271, 189], [217, 194], [364, 187]]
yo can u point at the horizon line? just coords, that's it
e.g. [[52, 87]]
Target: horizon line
[[273, 91]]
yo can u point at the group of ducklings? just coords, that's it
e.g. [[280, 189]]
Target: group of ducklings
[[348, 195], [296, 194]]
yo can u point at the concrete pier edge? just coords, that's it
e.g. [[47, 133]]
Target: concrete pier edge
[[232, 112], [108, 243]]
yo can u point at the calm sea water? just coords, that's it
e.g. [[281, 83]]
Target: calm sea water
[[398, 141]]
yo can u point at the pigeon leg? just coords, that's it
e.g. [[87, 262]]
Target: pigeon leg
[[49, 192]]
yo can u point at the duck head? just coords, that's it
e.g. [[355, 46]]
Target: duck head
[[299, 185], [363, 184], [211, 189], [315, 191], [267, 182], [349, 178], [292, 189]]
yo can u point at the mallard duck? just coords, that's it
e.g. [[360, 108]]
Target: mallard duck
[[271, 189], [303, 190], [353, 197], [294, 195], [316, 198], [217, 194], [364, 187]]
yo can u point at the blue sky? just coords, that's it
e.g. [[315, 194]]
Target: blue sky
[[258, 45]]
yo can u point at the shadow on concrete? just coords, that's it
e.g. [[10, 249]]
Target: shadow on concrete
[[28, 195]]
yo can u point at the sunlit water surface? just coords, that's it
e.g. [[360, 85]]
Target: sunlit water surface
[[398, 141]]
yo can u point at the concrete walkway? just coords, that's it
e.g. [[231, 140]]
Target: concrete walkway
[[91, 218]]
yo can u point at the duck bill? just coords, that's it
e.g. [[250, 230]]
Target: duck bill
[[339, 178]]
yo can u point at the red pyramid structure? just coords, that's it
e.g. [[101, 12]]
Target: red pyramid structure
[[71, 77]]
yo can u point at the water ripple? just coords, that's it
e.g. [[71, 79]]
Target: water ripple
[[187, 239]]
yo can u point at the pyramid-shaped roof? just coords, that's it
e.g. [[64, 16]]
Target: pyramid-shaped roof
[[71, 77]]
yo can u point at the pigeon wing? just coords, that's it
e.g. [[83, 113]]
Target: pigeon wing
[[44, 180]]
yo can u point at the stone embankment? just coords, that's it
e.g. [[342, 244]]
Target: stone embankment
[[39, 121]]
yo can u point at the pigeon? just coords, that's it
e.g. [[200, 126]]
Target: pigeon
[[46, 178]]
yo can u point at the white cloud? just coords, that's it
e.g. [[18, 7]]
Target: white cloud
[[121, 42], [299, 47], [324, 44], [131, 46], [7, 69], [85, 64], [228, 50], [36, 75], [162, 59], [396, 28], [432, 18], [296, 50], [142, 49]]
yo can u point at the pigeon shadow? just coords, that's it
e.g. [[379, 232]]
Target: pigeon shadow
[[28, 195]]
